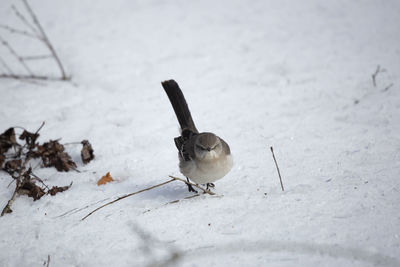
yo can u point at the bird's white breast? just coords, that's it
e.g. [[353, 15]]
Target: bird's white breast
[[208, 170]]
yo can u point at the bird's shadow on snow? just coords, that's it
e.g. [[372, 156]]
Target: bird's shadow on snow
[[167, 192]]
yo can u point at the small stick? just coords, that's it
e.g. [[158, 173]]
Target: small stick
[[6, 66], [23, 19], [14, 53], [387, 87], [205, 191], [127, 195], [39, 57], [378, 68], [36, 77], [17, 31], [276, 164], [46, 40], [48, 261], [7, 208]]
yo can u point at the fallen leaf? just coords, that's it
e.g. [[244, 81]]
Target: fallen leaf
[[53, 155], [31, 189], [7, 140], [86, 152], [30, 138], [57, 189], [105, 179], [13, 166]]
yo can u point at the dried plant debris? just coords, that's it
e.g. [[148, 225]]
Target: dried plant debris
[[30, 138], [87, 152], [7, 140], [13, 167], [53, 155], [16, 162], [57, 189]]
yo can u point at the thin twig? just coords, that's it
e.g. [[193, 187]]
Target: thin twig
[[46, 39], [41, 126], [72, 143], [378, 68], [39, 57], [23, 19], [17, 31], [387, 87], [7, 208], [35, 77], [276, 164], [205, 191], [6, 66], [374, 75], [14, 53], [35, 30], [127, 195]]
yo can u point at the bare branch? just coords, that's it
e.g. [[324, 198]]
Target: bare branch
[[23, 19], [17, 31], [374, 75], [14, 53], [127, 195], [387, 87], [6, 66], [34, 77], [46, 39], [38, 57], [276, 164], [205, 191]]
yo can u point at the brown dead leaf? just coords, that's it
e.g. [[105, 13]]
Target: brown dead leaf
[[30, 138], [7, 140], [13, 166], [57, 189], [105, 179], [53, 155], [31, 189], [86, 152]]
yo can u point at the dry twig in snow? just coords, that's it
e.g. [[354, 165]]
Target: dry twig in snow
[[36, 31], [205, 191], [276, 164]]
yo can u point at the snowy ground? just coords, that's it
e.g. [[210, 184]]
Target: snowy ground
[[295, 75]]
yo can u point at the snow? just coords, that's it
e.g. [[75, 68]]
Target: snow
[[292, 75]]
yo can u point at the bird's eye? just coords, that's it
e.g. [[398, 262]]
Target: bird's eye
[[202, 148]]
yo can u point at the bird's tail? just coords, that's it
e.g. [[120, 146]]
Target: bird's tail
[[180, 106]]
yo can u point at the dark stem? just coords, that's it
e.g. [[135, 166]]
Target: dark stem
[[46, 40], [127, 195], [276, 164]]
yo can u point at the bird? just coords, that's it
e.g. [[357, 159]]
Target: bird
[[204, 157]]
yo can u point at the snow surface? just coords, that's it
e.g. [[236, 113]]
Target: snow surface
[[295, 75]]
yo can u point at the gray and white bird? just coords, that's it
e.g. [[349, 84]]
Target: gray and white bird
[[203, 157]]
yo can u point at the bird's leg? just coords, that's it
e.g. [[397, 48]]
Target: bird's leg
[[190, 187], [210, 185]]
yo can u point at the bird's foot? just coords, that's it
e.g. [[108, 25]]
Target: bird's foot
[[210, 185], [190, 187]]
